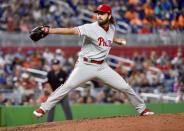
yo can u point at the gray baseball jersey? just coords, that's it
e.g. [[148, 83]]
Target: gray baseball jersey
[[97, 42]]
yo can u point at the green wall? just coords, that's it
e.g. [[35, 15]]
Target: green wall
[[22, 115]]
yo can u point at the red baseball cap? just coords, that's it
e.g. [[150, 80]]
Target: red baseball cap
[[104, 8]]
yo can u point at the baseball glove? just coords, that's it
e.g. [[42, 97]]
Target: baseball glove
[[39, 32]]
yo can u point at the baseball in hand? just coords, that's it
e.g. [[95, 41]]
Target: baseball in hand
[[123, 42]]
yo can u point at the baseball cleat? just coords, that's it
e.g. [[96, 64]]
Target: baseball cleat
[[147, 112], [39, 112]]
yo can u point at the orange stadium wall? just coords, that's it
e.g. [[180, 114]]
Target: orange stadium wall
[[119, 51]]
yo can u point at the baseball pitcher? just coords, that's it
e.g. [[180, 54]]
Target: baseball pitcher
[[97, 42]]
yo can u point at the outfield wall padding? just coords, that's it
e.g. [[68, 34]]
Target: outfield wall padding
[[22, 115]]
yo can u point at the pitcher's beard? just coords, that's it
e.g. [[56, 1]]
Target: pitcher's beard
[[101, 23]]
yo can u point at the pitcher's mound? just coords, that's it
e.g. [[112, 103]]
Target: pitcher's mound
[[169, 122]]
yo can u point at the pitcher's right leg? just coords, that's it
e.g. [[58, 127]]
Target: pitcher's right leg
[[112, 78]]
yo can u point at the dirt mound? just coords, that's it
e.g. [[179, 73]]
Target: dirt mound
[[169, 122]]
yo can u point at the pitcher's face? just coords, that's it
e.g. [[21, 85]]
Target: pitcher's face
[[103, 18]]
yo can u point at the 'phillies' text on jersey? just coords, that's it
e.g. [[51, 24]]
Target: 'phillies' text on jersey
[[102, 42]]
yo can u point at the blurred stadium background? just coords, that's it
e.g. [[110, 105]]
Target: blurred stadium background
[[152, 62]]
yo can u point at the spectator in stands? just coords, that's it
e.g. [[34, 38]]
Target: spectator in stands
[[136, 23], [24, 15], [178, 59], [48, 55], [181, 20], [75, 95], [26, 85], [131, 14], [180, 95], [24, 26], [153, 57], [148, 10], [59, 55], [2, 60]]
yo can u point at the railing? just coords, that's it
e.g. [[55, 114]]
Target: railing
[[167, 97], [22, 39]]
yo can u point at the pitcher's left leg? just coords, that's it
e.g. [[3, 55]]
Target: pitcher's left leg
[[112, 78]]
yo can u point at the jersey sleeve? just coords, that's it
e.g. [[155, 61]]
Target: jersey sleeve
[[84, 30], [115, 31]]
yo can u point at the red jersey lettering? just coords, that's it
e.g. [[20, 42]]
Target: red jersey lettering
[[102, 42]]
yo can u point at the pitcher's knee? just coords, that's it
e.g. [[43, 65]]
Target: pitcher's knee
[[126, 88], [70, 85]]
